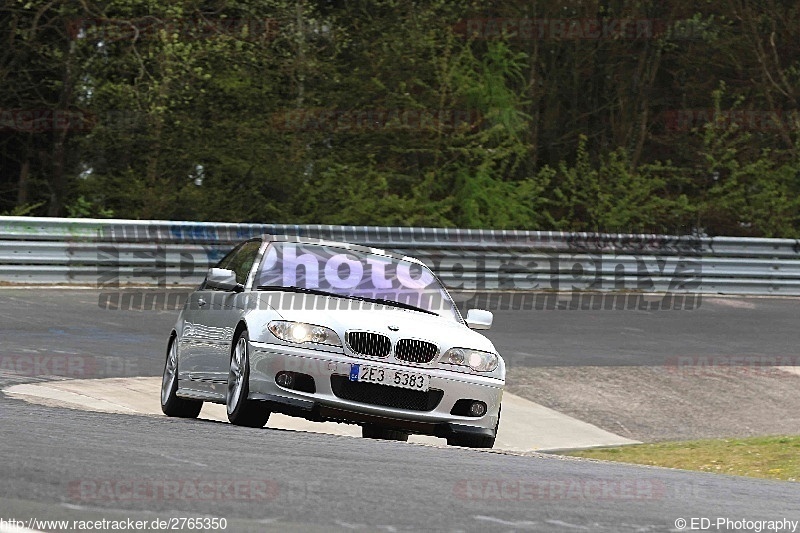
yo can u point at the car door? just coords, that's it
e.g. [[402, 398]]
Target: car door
[[199, 339], [222, 320], [192, 335]]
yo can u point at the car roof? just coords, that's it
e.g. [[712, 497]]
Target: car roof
[[338, 244]]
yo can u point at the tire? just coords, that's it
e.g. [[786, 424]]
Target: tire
[[474, 441], [372, 431], [241, 411], [171, 405]]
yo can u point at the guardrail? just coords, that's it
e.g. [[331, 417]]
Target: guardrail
[[119, 253]]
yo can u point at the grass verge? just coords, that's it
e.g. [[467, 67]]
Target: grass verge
[[764, 457]]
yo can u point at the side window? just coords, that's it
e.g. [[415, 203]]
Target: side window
[[225, 262], [242, 261]]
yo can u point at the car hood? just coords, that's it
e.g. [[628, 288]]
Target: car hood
[[443, 331]]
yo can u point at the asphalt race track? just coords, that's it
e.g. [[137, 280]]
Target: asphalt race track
[[73, 465], [72, 322]]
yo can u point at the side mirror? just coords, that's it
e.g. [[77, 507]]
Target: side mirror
[[479, 319], [222, 278]]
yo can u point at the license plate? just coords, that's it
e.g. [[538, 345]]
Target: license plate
[[392, 378]]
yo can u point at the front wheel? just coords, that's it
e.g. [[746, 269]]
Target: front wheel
[[171, 405], [241, 411]]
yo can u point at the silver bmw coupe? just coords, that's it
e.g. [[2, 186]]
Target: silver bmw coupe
[[331, 331]]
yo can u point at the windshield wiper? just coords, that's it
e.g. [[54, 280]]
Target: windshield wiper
[[297, 289], [393, 304], [349, 297]]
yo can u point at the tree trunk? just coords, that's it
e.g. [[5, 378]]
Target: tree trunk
[[58, 185], [22, 183], [58, 181]]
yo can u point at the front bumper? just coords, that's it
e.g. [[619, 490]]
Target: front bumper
[[267, 360]]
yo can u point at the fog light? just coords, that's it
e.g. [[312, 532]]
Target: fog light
[[285, 379], [477, 409]]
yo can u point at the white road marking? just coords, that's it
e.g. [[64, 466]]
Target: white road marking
[[512, 523], [178, 459], [524, 427], [561, 523], [790, 369], [731, 302], [349, 525], [75, 399]]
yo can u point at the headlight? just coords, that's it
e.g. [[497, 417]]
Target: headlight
[[478, 361], [300, 332]]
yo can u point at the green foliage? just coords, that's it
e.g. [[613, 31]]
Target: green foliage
[[773, 457], [83, 208], [747, 195], [264, 111], [613, 197], [22, 210]]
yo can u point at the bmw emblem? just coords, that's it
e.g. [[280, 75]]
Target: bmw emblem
[[393, 328]]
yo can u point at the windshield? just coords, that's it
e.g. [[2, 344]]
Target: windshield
[[354, 274]]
